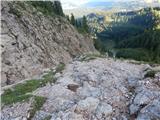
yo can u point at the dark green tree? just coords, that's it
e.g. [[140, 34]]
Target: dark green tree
[[58, 8], [73, 22], [67, 17], [48, 7], [77, 23], [84, 24]]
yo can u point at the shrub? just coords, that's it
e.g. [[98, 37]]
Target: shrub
[[15, 11], [48, 117], [89, 57], [36, 105], [60, 67], [150, 74]]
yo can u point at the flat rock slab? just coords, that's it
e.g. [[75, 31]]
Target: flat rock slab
[[100, 90], [55, 91]]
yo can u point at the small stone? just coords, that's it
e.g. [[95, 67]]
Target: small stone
[[73, 87]]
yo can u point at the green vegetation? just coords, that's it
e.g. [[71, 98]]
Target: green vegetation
[[14, 11], [48, 117], [72, 21], [60, 67], [21, 92], [150, 74], [137, 54], [58, 8], [10, 97], [36, 105], [84, 24], [89, 57], [18, 93], [149, 40], [135, 35], [48, 78], [48, 7], [80, 24], [102, 47]]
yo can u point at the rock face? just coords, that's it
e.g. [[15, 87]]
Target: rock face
[[145, 104], [32, 41]]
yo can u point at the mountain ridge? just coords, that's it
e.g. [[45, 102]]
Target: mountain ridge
[[117, 6]]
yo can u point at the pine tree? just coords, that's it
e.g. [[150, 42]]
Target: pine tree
[[84, 24], [77, 23], [67, 17], [72, 20], [80, 23], [58, 8]]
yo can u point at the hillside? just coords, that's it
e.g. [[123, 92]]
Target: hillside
[[50, 71], [132, 35], [34, 39]]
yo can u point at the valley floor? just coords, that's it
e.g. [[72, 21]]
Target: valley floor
[[99, 89]]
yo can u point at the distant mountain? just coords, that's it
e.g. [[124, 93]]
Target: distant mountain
[[79, 12], [101, 5], [114, 6], [96, 22], [133, 34], [125, 5]]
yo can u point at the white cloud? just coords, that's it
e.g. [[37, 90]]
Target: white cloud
[[70, 4], [150, 1]]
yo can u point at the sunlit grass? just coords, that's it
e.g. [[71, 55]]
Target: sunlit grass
[[22, 92]]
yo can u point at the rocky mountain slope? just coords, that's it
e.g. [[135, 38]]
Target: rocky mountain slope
[[100, 89], [32, 41]]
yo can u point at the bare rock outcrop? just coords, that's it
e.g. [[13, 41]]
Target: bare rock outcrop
[[145, 102], [102, 94], [32, 41], [105, 90]]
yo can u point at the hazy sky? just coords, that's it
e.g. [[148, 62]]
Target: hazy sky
[[69, 4]]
